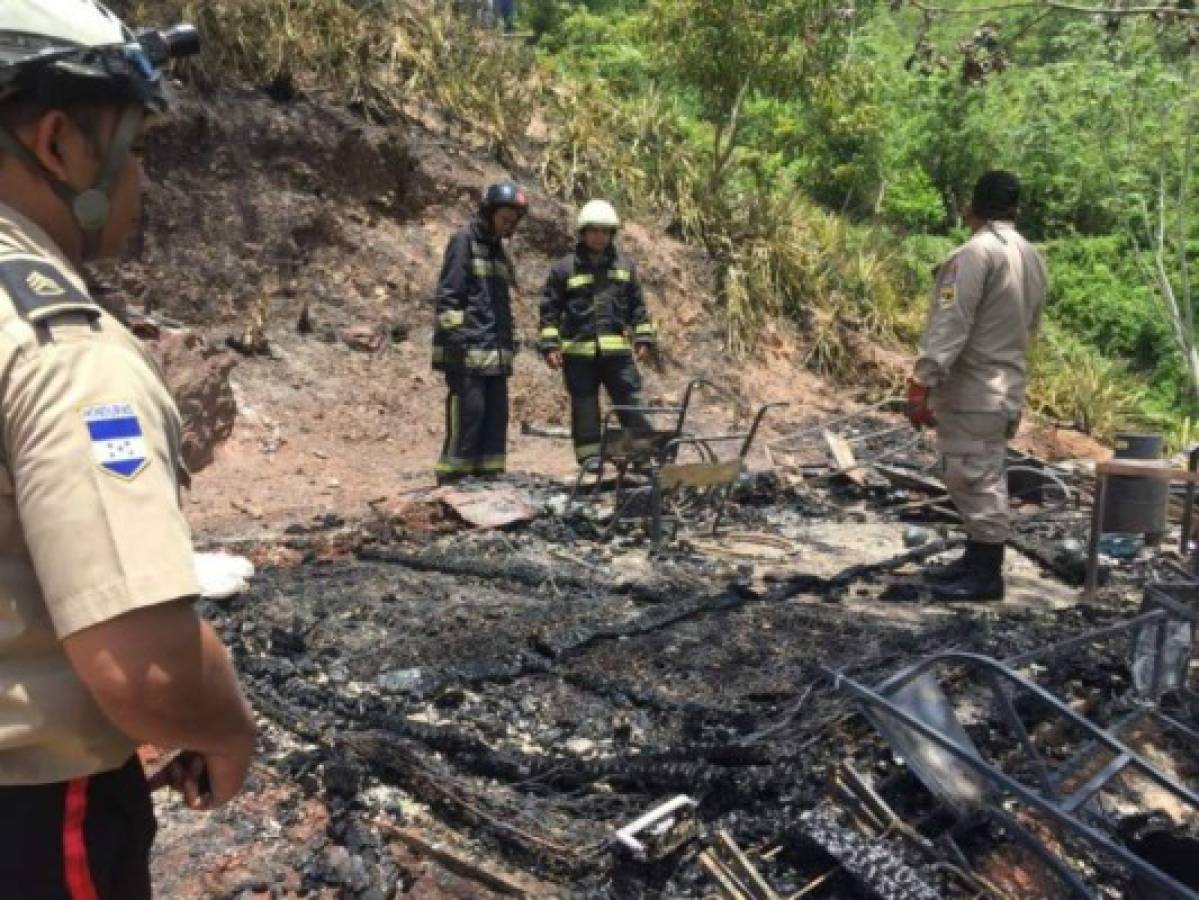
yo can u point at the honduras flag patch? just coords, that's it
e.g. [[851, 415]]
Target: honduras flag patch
[[118, 445]]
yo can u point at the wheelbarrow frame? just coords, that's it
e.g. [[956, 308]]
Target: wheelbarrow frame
[[623, 449], [713, 476]]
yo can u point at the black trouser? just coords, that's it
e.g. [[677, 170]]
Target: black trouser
[[476, 426], [87, 839], [506, 11], [584, 375]]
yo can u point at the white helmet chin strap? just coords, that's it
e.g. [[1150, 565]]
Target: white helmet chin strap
[[89, 207]]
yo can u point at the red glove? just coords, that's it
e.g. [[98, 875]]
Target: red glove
[[919, 413]]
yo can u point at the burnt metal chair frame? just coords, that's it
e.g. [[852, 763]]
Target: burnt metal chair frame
[[1067, 811], [704, 446], [639, 450]]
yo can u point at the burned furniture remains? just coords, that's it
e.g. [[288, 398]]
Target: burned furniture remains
[[685, 476], [628, 449], [690, 481], [1149, 475], [686, 490], [913, 712]]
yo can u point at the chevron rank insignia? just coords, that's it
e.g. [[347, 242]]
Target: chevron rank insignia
[[40, 291], [118, 445]]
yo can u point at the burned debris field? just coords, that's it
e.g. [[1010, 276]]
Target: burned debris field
[[520, 698]]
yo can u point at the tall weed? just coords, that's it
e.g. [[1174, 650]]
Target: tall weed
[[785, 257], [1074, 384], [631, 152], [1181, 434]]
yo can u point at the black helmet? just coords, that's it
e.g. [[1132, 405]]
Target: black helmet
[[504, 193]]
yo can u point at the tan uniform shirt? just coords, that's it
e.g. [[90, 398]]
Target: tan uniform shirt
[[986, 308], [90, 525]]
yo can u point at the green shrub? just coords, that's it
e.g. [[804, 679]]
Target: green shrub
[[911, 201], [588, 46], [1181, 433], [1074, 384], [844, 125], [1100, 296], [543, 16]]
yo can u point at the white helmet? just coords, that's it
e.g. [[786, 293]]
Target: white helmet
[[60, 52], [598, 214], [65, 51], [32, 26]]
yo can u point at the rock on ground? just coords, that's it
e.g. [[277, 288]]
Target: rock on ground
[[198, 376]]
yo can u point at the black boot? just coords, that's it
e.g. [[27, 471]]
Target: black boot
[[953, 570], [982, 581]]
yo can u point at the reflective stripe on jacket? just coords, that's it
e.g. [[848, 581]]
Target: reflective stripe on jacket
[[473, 329], [594, 305]]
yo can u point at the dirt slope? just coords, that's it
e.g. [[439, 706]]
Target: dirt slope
[[264, 209]]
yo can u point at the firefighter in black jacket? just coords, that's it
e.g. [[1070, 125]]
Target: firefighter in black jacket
[[593, 322], [473, 338]]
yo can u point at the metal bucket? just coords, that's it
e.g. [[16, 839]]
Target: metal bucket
[[1137, 505]]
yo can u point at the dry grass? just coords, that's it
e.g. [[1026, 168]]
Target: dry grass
[[387, 58], [1075, 385], [789, 258], [630, 152]]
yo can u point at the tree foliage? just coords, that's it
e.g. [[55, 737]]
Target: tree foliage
[[820, 151], [726, 51], [887, 118]]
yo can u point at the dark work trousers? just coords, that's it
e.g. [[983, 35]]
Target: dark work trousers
[[476, 426], [584, 375], [505, 11], [87, 839]]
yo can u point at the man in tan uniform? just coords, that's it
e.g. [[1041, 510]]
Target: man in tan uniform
[[100, 649], [971, 374]]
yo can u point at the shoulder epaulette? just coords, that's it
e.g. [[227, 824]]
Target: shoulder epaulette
[[40, 291]]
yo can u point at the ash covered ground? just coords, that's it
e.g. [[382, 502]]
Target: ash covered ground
[[510, 697], [514, 696]]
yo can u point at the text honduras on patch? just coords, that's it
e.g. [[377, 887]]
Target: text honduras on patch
[[117, 442]]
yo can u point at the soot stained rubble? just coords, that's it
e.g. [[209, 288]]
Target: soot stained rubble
[[523, 694]]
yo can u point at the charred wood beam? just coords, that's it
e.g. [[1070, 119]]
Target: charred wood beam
[[833, 585], [454, 862], [403, 764], [653, 619], [730, 772]]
